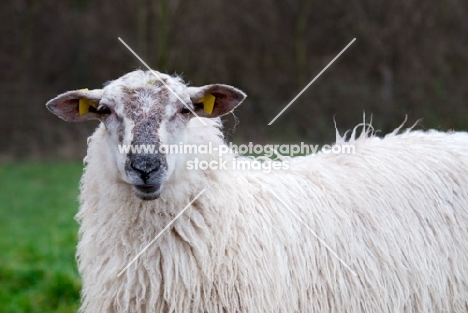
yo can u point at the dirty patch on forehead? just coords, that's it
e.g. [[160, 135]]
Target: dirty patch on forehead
[[140, 102], [145, 106], [144, 93]]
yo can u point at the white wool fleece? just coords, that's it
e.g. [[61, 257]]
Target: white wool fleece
[[396, 212]]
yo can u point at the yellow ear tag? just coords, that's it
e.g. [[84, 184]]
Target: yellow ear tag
[[84, 104], [208, 103]]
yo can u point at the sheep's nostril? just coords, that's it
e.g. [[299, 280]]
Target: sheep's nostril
[[145, 167]]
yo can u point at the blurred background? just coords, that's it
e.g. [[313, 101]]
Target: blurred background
[[410, 58]]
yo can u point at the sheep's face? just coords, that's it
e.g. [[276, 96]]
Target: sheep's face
[[141, 112]]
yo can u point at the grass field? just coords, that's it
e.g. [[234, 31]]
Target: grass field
[[38, 237]]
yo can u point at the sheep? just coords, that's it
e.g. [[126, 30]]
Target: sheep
[[390, 220]]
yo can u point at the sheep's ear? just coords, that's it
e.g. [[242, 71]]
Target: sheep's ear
[[215, 100], [76, 105]]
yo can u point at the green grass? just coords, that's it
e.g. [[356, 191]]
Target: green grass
[[38, 236]]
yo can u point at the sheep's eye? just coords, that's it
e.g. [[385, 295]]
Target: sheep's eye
[[103, 110], [185, 110]]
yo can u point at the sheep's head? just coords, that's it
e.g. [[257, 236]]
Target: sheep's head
[[139, 109]]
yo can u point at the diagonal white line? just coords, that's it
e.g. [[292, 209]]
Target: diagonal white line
[[316, 236], [308, 85], [161, 232], [159, 78]]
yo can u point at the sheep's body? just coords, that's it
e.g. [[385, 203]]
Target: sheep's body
[[396, 212]]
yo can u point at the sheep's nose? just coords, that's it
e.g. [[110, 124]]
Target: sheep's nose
[[145, 166]]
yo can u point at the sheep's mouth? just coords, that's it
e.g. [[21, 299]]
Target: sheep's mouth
[[147, 192]]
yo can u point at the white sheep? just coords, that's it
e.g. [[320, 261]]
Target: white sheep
[[395, 212]]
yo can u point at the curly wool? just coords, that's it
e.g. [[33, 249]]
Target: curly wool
[[395, 211]]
